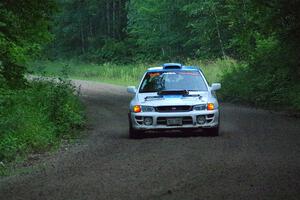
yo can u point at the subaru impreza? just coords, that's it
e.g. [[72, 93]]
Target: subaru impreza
[[173, 96]]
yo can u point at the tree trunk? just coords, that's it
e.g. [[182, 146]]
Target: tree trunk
[[120, 19], [108, 18], [82, 40], [81, 35], [219, 32], [91, 28], [114, 19]]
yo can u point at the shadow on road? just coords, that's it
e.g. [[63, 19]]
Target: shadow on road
[[172, 134]]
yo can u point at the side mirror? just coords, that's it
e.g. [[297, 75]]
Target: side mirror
[[215, 86], [131, 89]]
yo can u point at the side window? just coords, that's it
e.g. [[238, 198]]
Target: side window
[[144, 83]]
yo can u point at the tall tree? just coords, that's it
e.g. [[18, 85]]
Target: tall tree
[[158, 27], [23, 30], [83, 28]]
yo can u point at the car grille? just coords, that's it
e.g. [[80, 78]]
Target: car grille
[[185, 120], [173, 108]]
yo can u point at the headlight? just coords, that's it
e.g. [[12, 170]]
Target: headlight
[[199, 107], [148, 109]]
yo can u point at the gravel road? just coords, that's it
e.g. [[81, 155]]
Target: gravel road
[[257, 156]]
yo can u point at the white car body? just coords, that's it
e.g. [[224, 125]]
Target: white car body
[[164, 110]]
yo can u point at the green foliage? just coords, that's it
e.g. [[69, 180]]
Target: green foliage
[[206, 23], [213, 70], [92, 30], [23, 31], [35, 118], [108, 72], [171, 30], [273, 72], [261, 88], [158, 29], [113, 50]]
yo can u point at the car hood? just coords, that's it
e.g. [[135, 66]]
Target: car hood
[[153, 99]]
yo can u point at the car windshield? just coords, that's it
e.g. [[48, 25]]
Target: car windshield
[[176, 80]]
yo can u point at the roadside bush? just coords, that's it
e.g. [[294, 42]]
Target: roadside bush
[[270, 79], [263, 87], [35, 119], [112, 51]]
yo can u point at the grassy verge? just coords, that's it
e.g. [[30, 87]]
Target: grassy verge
[[36, 119], [261, 87], [109, 73], [119, 74]]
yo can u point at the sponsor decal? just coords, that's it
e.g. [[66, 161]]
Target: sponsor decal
[[154, 74]]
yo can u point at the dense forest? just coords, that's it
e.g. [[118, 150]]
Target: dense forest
[[123, 30]]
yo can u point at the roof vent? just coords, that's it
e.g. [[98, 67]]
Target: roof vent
[[172, 66]]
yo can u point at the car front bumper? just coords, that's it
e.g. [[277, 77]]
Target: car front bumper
[[160, 118]]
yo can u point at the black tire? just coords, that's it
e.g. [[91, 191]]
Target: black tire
[[133, 133], [212, 131]]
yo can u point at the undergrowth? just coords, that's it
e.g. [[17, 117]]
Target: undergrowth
[[37, 117]]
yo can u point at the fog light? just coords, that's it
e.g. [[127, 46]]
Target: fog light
[[148, 121], [201, 119]]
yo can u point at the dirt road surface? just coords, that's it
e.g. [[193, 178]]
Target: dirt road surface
[[257, 156]]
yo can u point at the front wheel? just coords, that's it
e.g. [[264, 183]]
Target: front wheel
[[212, 131], [133, 133]]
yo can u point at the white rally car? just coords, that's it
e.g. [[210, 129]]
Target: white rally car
[[173, 97]]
